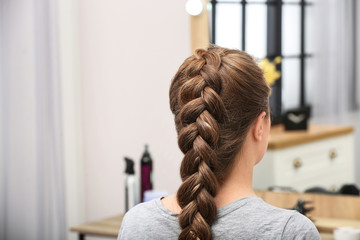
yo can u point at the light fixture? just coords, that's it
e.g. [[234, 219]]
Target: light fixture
[[194, 7]]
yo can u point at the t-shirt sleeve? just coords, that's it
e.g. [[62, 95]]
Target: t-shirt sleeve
[[130, 226], [299, 227]]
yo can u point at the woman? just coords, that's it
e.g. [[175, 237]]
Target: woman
[[220, 101]]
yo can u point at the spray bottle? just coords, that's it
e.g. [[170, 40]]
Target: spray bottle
[[131, 185], [146, 172]]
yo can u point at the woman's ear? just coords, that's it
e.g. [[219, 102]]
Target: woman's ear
[[259, 126]]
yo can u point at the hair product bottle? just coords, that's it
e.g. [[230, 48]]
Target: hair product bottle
[[131, 185], [146, 172]]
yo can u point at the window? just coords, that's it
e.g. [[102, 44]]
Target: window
[[267, 29]]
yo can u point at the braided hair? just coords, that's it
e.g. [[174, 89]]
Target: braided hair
[[215, 96]]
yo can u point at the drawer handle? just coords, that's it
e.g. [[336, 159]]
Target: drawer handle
[[332, 154], [297, 163]]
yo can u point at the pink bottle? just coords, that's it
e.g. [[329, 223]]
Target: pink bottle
[[146, 172]]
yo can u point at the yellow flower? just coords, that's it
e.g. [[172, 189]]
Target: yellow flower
[[269, 68]]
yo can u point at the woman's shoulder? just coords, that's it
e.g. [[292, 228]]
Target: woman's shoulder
[[270, 222], [300, 226], [146, 210], [145, 219], [294, 223]]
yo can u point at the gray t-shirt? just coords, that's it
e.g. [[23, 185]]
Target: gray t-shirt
[[246, 218]]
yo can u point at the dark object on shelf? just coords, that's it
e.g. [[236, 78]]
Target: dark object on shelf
[[349, 189], [281, 189], [302, 208], [297, 119], [346, 189], [319, 190]]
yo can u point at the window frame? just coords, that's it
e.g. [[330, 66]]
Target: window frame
[[274, 43]]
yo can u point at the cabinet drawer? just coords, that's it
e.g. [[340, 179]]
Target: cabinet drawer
[[314, 164], [310, 163], [326, 163]]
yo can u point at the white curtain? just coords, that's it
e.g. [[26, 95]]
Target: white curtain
[[335, 86], [32, 202], [335, 83], [357, 62]]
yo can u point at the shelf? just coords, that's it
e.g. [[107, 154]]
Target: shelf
[[279, 138]]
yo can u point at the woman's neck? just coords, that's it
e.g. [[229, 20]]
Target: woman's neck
[[237, 185]]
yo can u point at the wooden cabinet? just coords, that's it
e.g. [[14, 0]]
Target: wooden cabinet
[[322, 156]]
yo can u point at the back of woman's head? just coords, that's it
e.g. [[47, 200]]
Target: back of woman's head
[[215, 96]]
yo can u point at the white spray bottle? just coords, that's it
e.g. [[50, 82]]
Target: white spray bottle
[[131, 185]]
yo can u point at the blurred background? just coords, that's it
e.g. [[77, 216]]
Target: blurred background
[[84, 83]]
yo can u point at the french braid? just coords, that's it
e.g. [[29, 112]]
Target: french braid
[[201, 107]]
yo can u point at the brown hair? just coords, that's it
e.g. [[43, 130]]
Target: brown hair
[[215, 96]]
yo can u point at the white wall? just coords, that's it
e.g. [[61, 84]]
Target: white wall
[[129, 52]]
